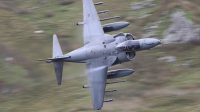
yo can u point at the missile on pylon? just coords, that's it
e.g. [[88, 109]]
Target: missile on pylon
[[108, 100], [112, 90], [116, 82], [98, 3], [105, 19], [101, 12]]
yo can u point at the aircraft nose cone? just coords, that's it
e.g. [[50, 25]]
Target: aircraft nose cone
[[149, 43], [152, 41], [159, 42]]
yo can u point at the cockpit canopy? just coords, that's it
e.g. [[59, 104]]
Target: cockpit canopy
[[129, 46]]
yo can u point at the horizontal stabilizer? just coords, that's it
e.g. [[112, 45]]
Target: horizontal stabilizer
[[58, 66], [57, 59], [56, 47], [57, 54]]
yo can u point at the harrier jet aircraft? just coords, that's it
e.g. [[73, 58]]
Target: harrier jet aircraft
[[100, 51]]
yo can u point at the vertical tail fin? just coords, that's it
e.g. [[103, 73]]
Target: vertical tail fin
[[58, 64]]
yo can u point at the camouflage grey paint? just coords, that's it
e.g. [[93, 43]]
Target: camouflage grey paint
[[119, 48], [99, 52], [98, 57]]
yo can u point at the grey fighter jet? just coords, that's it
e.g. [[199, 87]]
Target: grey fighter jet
[[100, 51]]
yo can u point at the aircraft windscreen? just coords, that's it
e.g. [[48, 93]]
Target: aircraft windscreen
[[129, 45]]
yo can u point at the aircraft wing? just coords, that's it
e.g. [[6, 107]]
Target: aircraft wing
[[92, 28], [97, 75]]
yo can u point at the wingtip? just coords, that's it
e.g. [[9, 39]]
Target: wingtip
[[97, 108], [59, 84]]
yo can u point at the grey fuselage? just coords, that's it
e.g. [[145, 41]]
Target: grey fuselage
[[110, 48]]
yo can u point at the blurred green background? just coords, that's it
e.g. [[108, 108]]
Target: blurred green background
[[167, 78]]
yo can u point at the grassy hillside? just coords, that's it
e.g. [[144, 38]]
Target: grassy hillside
[[156, 86]]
